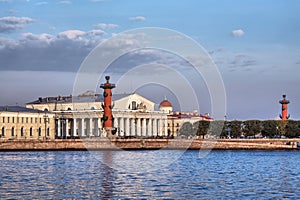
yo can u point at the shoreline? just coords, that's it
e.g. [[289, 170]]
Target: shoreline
[[95, 144]]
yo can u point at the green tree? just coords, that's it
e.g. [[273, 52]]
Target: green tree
[[235, 128], [216, 128], [269, 128], [292, 129], [252, 127], [281, 124], [202, 128], [187, 129]]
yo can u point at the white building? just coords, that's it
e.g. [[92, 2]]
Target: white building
[[80, 116]]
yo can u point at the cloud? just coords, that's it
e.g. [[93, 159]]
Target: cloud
[[237, 33], [64, 51], [72, 34], [11, 24], [65, 2], [137, 18], [106, 26], [95, 1], [41, 3]]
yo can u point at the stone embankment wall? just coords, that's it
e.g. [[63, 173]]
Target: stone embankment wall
[[115, 144]]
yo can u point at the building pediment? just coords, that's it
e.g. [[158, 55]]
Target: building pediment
[[134, 102]]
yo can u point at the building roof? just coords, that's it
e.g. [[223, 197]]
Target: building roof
[[85, 97], [165, 103], [189, 116], [18, 109]]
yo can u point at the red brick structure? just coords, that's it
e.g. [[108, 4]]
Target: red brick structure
[[107, 107], [284, 108]]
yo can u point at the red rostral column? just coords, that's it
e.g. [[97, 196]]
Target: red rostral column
[[284, 108], [107, 94]]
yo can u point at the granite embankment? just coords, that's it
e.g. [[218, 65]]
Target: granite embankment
[[115, 144]]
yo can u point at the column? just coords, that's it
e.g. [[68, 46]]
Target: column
[[138, 127], [98, 127], [67, 128], [82, 127], [74, 127], [166, 127], [160, 127], [58, 128], [144, 127], [127, 127], [116, 125], [90, 132], [132, 127], [121, 126], [150, 131], [155, 127]]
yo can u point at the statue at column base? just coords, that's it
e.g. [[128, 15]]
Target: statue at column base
[[110, 132]]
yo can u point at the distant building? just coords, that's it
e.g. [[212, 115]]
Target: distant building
[[176, 119], [23, 123]]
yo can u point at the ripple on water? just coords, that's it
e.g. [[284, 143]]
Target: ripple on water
[[131, 175]]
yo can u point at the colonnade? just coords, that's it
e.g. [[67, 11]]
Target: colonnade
[[78, 127], [127, 126], [141, 126]]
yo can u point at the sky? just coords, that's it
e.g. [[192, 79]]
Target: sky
[[254, 44]]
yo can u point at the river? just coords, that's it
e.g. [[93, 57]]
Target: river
[[161, 174]]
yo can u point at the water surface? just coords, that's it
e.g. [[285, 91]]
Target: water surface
[[149, 175]]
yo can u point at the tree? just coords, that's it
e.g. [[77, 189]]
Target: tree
[[292, 129], [187, 129], [202, 128], [252, 127], [235, 128], [281, 126], [269, 128], [216, 128]]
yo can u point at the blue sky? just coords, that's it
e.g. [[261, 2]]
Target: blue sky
[[254, 43]]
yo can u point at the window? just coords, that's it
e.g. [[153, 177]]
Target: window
[[35, 120], [31, 120], [48, 132], [7, 119], [69, 109], [40, 120], [3, 132], [168, 124], [40, 132], [46, 110], [13, 131], [133, 105], [18, 119], [30, 132], [26, 120], [3, 120], [13, 120], [22, 120], [22, 132]]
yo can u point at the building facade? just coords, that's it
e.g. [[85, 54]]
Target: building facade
[[22, 123], [80, 116]]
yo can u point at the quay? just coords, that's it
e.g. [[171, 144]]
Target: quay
[[146, 143]]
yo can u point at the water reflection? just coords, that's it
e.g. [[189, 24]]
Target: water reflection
[[107, 173], [78, 175]]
